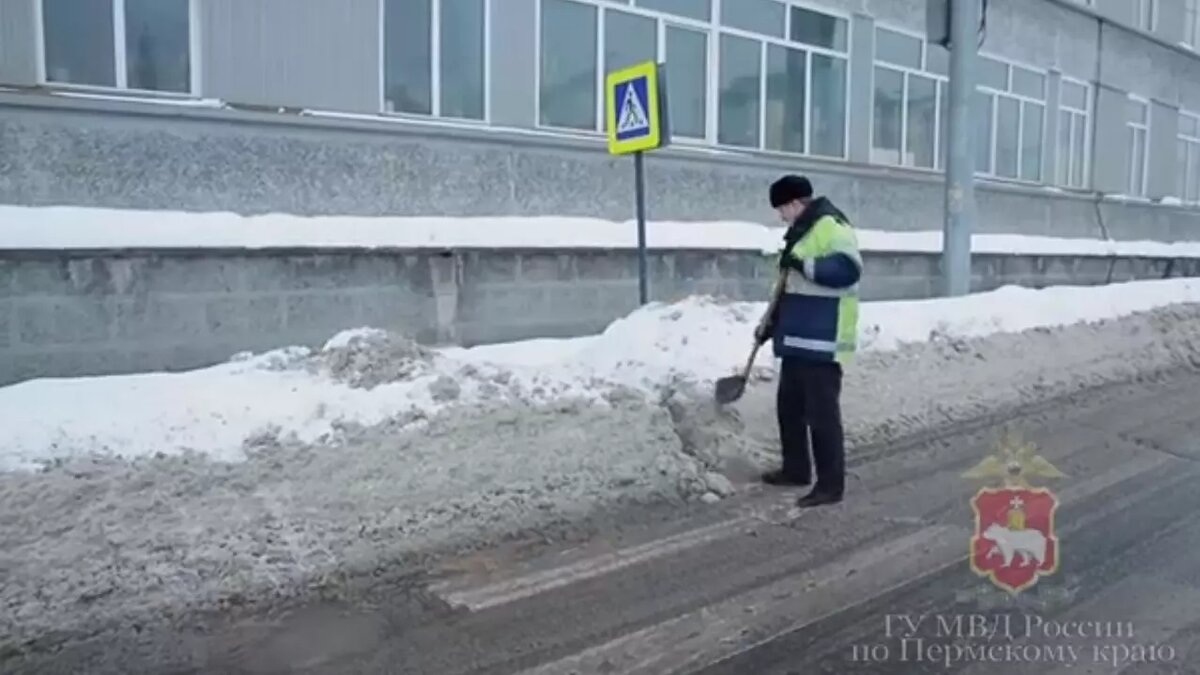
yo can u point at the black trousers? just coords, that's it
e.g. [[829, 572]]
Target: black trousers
[[809, 402]]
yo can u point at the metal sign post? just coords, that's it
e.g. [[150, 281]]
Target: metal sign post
[[955, 24], [636, 113]]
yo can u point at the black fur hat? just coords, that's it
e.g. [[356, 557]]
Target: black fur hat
[[789, 188]]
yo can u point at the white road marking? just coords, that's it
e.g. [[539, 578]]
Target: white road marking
[[720, 630], [743, 622], [509, 590]]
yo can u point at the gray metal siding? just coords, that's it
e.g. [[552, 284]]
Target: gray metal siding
[[1164, 131], [514, 63], [1120, 11], [862, 77], [1110, 162], [1186, 70], [908, 14], [1170, 22], [1134, 64], [18, 42], [1050, 158], [295, 53], [1041, 34]]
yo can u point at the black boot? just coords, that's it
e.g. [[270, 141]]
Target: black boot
[[818, 498], [781, 479]]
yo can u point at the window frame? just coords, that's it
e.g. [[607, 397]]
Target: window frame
[[1191, 25], [1075, 114], [765, 41], [1021, 100], [1132, 127], [713, 29], [661, 19], [942, 90], [120, 58], [435, 66]]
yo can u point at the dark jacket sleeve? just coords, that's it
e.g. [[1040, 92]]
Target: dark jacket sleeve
[[836, 270]]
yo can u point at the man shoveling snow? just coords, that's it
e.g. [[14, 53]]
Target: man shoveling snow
[[813, 321]]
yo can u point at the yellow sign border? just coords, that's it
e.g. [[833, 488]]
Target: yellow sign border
[[652, 140]]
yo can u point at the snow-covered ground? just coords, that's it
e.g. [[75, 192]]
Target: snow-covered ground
[[364, 377], [28, 227], [277, 472]]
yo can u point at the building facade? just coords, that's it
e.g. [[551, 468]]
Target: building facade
[[1075, 98]]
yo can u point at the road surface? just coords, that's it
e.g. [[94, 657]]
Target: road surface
[[878, 584]]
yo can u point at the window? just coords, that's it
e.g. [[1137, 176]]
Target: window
[[686, 54], [701, 10], [568, 96], [766, 17], [787, 94], [910, 101], [759, 74], [142, 45], [1145, 14], [434, 57], [1138, 123], [629, 39], [687, 84], [787, 98], [1189, 157], [819, 30], [581, 42], [1191, 23], [1072, 134], [1010, 109], [740, 82]]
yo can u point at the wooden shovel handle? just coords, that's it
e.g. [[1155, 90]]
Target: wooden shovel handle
[[776, 293], [750, 361]]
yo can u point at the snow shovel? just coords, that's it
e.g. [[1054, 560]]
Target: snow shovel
[[730, 389]]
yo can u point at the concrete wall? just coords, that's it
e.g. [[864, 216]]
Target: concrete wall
[[196, 159], [69, 313]]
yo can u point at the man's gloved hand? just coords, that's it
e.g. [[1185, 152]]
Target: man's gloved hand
[[764, 331]]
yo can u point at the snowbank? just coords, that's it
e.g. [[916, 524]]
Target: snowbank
[[363, 378], [73, 227], [547, 433]]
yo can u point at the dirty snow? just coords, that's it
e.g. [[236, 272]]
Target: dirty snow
[[38, 227], [364, 377], [340, 465]]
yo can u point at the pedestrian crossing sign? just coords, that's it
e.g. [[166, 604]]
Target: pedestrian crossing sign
[[635, 109]]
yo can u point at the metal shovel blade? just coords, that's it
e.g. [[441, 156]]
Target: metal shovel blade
[[730, 389]]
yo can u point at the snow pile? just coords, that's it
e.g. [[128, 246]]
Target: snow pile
[[367, 359], [352, 480], [1012, 309], [696, 339], [36, 227], [364, 378]]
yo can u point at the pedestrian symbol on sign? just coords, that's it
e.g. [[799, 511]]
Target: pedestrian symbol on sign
[[633, 116]]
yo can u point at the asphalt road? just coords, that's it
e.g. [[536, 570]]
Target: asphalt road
[[878, 584]]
